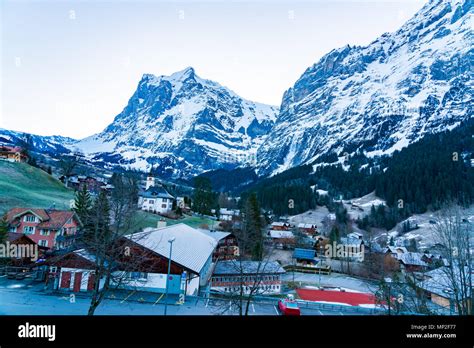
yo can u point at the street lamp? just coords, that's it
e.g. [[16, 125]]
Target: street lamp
[[171, 240], [389, 282], [320, 263]]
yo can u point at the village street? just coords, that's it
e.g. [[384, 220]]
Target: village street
[[25, 298]]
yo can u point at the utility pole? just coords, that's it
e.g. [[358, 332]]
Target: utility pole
[[320, 263], [168, 275]]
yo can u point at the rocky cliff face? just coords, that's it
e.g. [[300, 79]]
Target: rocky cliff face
[[183, 124], [382, 97]]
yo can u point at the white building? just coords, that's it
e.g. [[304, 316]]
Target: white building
[[228, 214], [155, 199]]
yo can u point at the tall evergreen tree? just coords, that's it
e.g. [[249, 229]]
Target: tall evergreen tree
[[253, 225], [83, 204], [203, 199], [3, 229], [334, 235]]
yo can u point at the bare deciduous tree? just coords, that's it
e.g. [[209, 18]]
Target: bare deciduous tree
[[249, 278], [455, 233]]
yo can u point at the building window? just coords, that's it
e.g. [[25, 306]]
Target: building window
[[28, 230], [30, 218], [43, 242], [164, 200], [152, 201], [45, 232], [164, 206], [138, 275]]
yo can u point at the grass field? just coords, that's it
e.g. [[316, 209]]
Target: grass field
[[22, 185]]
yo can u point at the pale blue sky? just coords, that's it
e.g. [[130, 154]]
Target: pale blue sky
[[68, 67]]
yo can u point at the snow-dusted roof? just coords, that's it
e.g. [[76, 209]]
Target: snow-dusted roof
[[351, 241], [156, 191], [280, 234], [412, 259], [217, 235], [303, 225], [191, 247], [395, 249], [86, 255], [278, 223], [441, 283], [355, 235]]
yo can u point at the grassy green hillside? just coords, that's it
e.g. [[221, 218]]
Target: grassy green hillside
[[26, 186]]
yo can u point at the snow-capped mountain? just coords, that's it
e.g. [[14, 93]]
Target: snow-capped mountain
[[374, 99], [47, 144], [182, 124], [382, 97]]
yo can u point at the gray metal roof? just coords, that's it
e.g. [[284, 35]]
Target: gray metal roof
[[217, 235], [247, 267], [86, 254], [191, 248], [156, 192]]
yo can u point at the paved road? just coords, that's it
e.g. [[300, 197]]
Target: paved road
[[25, 298]]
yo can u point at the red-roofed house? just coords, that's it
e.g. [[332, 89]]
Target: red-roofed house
[[53, 229], [12, 153]]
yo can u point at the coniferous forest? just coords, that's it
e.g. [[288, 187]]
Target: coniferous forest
[[428, 173]]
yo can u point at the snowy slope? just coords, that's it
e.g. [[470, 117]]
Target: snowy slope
[[183, 123], [48, 144], [382, 97]]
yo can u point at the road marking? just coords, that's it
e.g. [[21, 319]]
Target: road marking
[[341, 313], [207, 303], [230, 306], [320, 313], [159, 298], [128, 296], [276, 310], [253, 308]]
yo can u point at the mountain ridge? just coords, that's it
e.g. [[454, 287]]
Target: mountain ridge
[[370, 100], [194, 123], [381, 97]]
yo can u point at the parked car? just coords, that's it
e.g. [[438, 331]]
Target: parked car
[[288, 306]]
